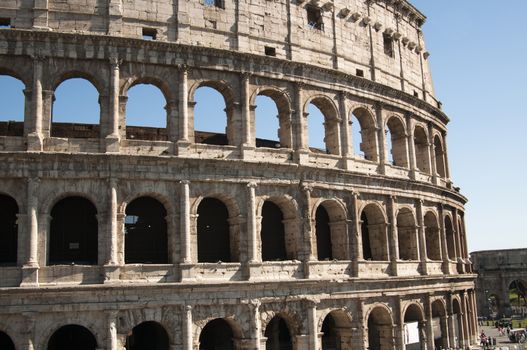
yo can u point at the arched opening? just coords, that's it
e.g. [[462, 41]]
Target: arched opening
[[211, 116], [273, 233], [278, 335], [336, 331], [323, 126], [422, 155], [462, 238], [216, 335], [12, 100], [147, 336], [457, 322], [396, 138], [214, 242], [407, 235], [76, 111], [432, 237], [272, 120], [72, 337], [518, 297], [331, 231], [5, 342], [450, 239], [414, 329], [145, 232], [439, 157], [380, 330], [439, 325], [73, 233], [323, 234], [364, 135], [146, 113], [8, 231], [373, 233]]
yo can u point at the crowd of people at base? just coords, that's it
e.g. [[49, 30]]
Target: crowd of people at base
[[517, 337]]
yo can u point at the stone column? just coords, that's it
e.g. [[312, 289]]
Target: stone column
[[445, 157], [433, 165], [111, 330], [35, 137], [185, 221], [411, 145], [248, 138], [184, 141], [444, 243], [312, 324], [356, 238], [31, 265], [394, 238], [346, 131], [423, 336], [457, 239], [113, 138], [422, 237], [256, 324], [445, 331], [381, 135], [28, 331], [307, 241], [466, 326], [113, 258], [300, 121], [429, 324], [252, 235], [187, 328]]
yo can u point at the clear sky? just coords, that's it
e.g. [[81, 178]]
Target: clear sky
[[478, 58], [479, 65]]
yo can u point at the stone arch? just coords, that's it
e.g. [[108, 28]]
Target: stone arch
[[227, 221], [280, 333], [15, 73], [13, 93], [368, 131], [227, 92], [457, 322], [6, 343], [432, 236], [331, 229], [398, 141], [144, 130], [422, 154], [278, 216], [379, 325], [407, 234], [72, 336], [450, 238], [283, 104], [293, 320], [77, 74], [220, 333], [9, 211], [73, 233], [331, 121], [145, 228], [517, 289], [463, 253], [336, 328], [439, 153], [148, 335], [413, 318], [374, 233]]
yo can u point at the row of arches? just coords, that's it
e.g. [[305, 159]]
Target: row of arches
[[335, 330], [74, 232], [148, 104]]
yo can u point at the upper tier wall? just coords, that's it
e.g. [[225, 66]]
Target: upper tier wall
[[380, 40]]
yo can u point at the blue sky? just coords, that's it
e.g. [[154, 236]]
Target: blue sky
[[478, 58], [478, 54]]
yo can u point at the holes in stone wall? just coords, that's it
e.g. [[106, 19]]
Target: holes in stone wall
[[213, 231], [388, 45], [363, 134], [217, 334], [210, 117], [270, 51], [322, 126], [422, 155], [273, 233], [396, 142], [267, 122], [278, 335], [407, 235], [73, 236], [146, 113], [149, 34], [12, 100], [214, 3], [5, 342], [374, 235], [432, 237], [5, 23], [323, 234], [145, 232], [148, 335], [439, 157], [380, 329], [72, 337], [8, 231], [359, 73], [314, 17], [450, 239], [76, 110]]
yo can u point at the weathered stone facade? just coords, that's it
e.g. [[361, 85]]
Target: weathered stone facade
[[396, 245], [497, 270]]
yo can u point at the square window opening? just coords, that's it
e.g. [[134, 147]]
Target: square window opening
[[314, 18], [388, 45], [149, 34], [359, 73], [416, 94], [270, 51], [214, 3], [5, 22]]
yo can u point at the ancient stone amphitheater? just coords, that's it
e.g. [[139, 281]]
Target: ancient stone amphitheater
[[117, 237]]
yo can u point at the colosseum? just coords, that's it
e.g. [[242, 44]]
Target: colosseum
[[115, 236]]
